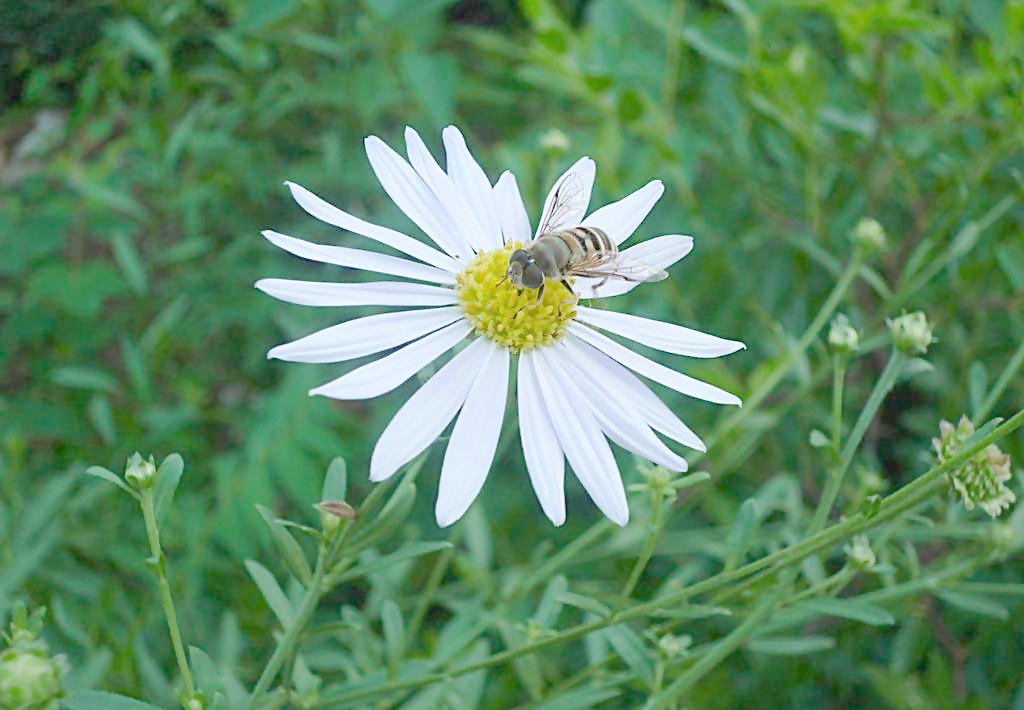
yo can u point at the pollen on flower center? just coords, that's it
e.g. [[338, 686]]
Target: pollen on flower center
[[499, 311]]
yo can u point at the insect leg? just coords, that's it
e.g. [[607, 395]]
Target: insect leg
[[540, 293], [568, 286]]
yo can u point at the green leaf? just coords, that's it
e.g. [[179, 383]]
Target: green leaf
[[974, 604], [630, 647], [207, 675], [336, 481], [549, 605], [586, 603], [167, 478], [287, 546], [791, 646], [110, 477], [101, 416], [413, 549], [741, 533], [272, 593], [850, 609], [692, 611], [394, 634], [87, 378], [99, 700], [127, 258]]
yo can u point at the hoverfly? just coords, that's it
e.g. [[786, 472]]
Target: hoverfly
[[559, 252]]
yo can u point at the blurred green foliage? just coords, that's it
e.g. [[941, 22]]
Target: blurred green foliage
[[143, 147]]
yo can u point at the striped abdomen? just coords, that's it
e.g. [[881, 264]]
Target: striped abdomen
[[558, 252]]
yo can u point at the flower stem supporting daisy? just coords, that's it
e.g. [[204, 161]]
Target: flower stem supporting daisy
[[901, 501], [159, 565]]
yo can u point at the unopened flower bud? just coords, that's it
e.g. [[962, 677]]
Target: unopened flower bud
[[843, 337], [868, 236], [554, 141], [859, 553], [981, 480], [332, 512], [671, 646], [911, 332], [139, 472]]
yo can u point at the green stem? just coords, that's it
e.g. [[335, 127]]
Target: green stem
[[835, 480], [838, 379], [160, 567], [719, 652], [769, 383], [1004, 379], [906, 498], [291, 635], [657, 502], [433, 583]]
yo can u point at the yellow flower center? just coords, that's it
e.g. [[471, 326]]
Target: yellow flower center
[[498, 310]]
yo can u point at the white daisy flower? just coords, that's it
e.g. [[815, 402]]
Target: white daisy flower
[[576, 386]]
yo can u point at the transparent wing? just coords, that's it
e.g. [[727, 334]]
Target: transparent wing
[[565, 203], [621, 267]]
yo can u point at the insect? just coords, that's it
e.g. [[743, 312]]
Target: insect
[[558, 253]]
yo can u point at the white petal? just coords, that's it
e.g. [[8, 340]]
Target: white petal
[[575, 185], [452, 198], [387, 373], [652, 370], [515, 223], [359, 259], [668, 337], [426, 414], [373, 293], [326, 212], [615, 415], [584, 445], [627, 385], [544, 459], [471, 179], [365, 336], [660, 253], [620, 219], [412, 195], [474, 439]]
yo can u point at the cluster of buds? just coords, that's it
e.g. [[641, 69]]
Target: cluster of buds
[[981, 480], [29, 676], [911, 333]]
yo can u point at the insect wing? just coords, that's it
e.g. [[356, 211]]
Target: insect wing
[[627, 269], [565, 205]]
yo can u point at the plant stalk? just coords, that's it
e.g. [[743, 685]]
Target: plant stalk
[[159, 565]]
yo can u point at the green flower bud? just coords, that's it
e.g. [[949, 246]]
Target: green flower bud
[[859, 553], [981, 480], [554, 141], [868, 236], [139, 472], [843, 337], [911, 332]]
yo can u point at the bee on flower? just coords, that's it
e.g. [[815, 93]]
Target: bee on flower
[[493, 289]]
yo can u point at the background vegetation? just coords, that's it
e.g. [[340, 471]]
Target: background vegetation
[[143, 147]]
